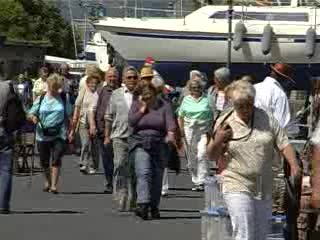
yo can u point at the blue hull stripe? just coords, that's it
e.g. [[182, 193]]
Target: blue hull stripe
[[198, 37]]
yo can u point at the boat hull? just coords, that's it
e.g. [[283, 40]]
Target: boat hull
[[178, 53], [182, 47]]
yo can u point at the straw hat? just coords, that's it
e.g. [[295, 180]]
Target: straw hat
[[146, 72], [283, 70]]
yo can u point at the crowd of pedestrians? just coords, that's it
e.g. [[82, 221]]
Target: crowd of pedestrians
[[132, 125]]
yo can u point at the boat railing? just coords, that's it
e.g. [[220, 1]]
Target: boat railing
[[142, 12]]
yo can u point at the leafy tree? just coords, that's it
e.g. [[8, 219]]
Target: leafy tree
[[36, 20]]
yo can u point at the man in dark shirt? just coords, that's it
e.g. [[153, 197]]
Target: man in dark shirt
[[106, 154], [6, 145]]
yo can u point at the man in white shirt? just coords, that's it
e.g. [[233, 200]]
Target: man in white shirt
[[270, 95]]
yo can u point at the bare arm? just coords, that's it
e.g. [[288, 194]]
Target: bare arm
[[181, 126], [219, 143], [290, 155]]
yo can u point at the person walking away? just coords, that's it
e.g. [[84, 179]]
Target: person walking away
[[195, 119], [246, 136], [84, 123], [12, 117], [111, 83], [40, 85], [51, 112], [151, 120], [271, 97], [217, 92], [117, 130]]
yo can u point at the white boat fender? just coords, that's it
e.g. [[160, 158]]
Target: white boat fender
[[239, 32], [311, 36], [266, 41]]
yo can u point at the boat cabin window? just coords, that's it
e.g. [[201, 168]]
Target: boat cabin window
[[91, 56], [264, 16]]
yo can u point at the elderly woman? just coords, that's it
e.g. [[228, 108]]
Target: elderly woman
[[217, 93], [195, 120], [247, 137], [151, 120], [51, 112], [84, 123]]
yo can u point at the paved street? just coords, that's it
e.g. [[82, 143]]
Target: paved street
[[81, 211]]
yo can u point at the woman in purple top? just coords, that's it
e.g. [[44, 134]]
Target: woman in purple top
[[151, 120]]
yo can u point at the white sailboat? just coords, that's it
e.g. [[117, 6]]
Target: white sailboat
[[267, 35]]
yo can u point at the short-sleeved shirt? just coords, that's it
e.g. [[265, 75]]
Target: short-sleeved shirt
[[271, 97], [87, 102], [249, 160], [51, 113], [196, 112], [39, 87], [315, 138]]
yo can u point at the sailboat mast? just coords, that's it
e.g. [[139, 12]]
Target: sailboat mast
[[230, 12]]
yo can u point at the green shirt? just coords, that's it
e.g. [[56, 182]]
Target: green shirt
[[196, 111]]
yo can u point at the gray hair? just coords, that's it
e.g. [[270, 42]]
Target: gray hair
[[222, 75], [240, 91], [112, 69], [196, 73], [128, 69]]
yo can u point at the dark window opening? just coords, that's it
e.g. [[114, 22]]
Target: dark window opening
[[264, 16]]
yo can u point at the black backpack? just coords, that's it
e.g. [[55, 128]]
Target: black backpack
[[14, 116]]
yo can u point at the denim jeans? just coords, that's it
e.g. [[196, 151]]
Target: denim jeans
[[149, 173], [89, 149], [106, 154], [5, 179]]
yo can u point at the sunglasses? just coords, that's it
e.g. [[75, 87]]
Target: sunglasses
[[132, 77]]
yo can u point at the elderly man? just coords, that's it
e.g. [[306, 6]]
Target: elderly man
[[218, 96], [111, 83], [117, 129], [271, 97]]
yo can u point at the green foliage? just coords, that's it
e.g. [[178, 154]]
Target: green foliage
[[35, 20]]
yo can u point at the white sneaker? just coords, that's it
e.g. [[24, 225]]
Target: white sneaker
[[83, 169], [164, 193], [92, 171]]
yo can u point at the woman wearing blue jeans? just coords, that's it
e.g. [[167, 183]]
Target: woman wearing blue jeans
[[151, 120]]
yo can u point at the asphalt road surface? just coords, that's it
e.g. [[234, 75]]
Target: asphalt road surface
[[83, 212]]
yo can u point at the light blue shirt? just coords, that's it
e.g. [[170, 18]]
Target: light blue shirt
[[51, 113]]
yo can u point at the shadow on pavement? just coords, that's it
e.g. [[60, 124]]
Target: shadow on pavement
[[83, 193], [180, 189], [58, 212], [184, 196], [179, 217], [180, 210]]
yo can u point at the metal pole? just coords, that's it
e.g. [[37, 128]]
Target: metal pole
[[73, 32], [181, 8], [135, 8], [230, 12]]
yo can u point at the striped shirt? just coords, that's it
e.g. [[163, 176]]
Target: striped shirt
[[249, 160]]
